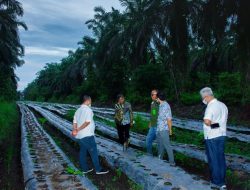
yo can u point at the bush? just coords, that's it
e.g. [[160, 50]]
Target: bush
[[198, 80], [141, 125], [190, 98], [135, 98], [70, 114], [229, 87], [148, 77], [72, 99]]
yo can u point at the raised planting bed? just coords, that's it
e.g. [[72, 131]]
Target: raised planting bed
[[238, 132], [44, 163], [235, 162], [156, 175]]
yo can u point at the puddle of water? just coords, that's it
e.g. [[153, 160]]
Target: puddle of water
[[168, 183]]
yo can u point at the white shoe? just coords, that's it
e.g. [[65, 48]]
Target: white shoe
[[223, 187], [213, 186], [85, 172], [173, 164], [160, 157], [102, 172]]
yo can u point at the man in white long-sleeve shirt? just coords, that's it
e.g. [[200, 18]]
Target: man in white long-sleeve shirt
[[84, 131], [215, 123]]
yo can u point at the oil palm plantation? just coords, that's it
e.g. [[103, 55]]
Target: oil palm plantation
[[10, 47]]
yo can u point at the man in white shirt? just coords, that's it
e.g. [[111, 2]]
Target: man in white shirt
[[215, 123], [84, 131]]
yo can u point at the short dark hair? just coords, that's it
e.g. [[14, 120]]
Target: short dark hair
[[119, 96], [161, 96], [85, 98], [156, 90]]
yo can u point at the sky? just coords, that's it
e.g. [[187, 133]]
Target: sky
[[54, 28]]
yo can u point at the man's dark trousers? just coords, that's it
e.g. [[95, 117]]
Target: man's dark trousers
[[216, 159]]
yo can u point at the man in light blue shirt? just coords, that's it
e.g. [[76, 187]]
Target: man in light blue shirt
[[164, 128]]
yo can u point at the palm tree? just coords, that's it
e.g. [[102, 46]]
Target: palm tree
[[10, 47]]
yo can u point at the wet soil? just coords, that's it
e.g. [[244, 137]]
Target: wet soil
[[111, 181]]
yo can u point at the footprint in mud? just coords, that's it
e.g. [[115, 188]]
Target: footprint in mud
[[154, 174], [196, 178], [167, 176]]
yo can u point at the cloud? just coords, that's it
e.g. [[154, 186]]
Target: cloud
[[55, 26], [49, 51]]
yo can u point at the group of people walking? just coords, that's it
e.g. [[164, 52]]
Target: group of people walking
[[160, 125], [160, 129]]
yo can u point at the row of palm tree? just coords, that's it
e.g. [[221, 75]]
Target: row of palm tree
[[181, 38], [10, 47]]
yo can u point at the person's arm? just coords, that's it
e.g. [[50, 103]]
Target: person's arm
[[208, 117], [207, 122], [149, 124], [116, 116], [89, 118], [74, 131], [168, 115], [84, 125], [131, 115], [74, 123], [169, 121], [74, 126]]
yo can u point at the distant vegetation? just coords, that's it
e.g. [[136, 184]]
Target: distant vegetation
[[178, 46], [10, 47], [11, 51]]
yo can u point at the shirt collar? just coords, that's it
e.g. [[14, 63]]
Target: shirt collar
[[83, 105], [164, 102], [212, 101]]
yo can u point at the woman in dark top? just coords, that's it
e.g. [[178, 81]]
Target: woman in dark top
[[123, 120]]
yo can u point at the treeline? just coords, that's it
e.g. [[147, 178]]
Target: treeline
[[178, 46], [11, 49]]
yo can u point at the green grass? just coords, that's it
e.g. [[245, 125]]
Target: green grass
[[42, 120], [237, 180], [73, 171], [9, 145], [8, 124], [70, 114], [8, 119], [188, 137]]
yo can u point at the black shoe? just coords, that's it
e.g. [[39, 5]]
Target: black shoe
[[102, 172], [85, 172]]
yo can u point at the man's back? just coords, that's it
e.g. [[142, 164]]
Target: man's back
[[219, 112], [82, 115], [216, 112]]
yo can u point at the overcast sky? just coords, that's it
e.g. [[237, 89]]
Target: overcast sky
[[55, 27]]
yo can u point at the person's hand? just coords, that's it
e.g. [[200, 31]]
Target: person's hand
[[74, 132], [170, 132], [131, 124]]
